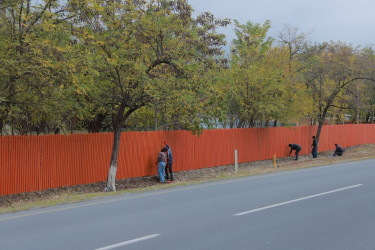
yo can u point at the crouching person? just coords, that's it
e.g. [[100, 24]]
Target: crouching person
[[339, 150]]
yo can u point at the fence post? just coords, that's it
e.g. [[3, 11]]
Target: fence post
[[235, 161], [274, 161]]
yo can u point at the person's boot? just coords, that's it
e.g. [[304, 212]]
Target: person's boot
[[171, 177]]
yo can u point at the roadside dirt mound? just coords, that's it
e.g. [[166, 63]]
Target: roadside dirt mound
[[207, 174]]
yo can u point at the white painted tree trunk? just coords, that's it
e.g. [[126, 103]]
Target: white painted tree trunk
[[111, 179]]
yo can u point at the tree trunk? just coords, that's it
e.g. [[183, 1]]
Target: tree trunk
[[156, 118], [320, 126], [252, 122], [97, 124], [111, 179], [368, 115]]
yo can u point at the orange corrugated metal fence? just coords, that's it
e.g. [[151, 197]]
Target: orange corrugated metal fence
[[33, 163]]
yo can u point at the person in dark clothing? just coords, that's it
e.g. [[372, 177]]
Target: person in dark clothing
[[295, 147], [169, 162], [339, 150], [314, 146]]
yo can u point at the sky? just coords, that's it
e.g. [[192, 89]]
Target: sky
[[349, 21]]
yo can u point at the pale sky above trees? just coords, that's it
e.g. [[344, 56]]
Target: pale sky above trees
[[349, 21]]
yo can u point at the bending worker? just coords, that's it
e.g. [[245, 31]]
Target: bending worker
[[295, 147]]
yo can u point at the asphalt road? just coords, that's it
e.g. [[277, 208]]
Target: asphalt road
[[328, 207]]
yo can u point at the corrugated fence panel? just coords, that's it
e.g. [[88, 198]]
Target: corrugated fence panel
[[31, 163], [182, 144], [138, 154]]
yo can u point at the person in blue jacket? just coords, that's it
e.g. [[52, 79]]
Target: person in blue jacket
[[169, 162]]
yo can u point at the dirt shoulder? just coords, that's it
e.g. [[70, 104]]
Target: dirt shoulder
[[51, 197]]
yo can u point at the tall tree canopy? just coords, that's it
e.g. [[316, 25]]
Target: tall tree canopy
[[37, 62], [143, 52], [260, 87], [333, 68]]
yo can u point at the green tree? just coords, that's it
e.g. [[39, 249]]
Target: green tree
[[363, 93], [333, 67], [295, 44], [259, 88], [138, 48], [248, 54], [35, 56]]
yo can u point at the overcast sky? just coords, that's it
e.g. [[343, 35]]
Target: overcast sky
[[349, 21]]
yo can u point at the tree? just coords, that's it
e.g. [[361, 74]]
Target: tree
[[247, 58], [295, 43], [139, 47], [363, 92], [333, 67], [259, 88], [35, 55]]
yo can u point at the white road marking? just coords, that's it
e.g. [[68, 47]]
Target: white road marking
[[129, 242], [292, 201]]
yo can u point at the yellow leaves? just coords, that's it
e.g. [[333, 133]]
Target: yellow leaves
[[71, 67], [112, 61], [80, 89], [97, 7], [75, 81], [60, 49], [99, 43], [89, 36]]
